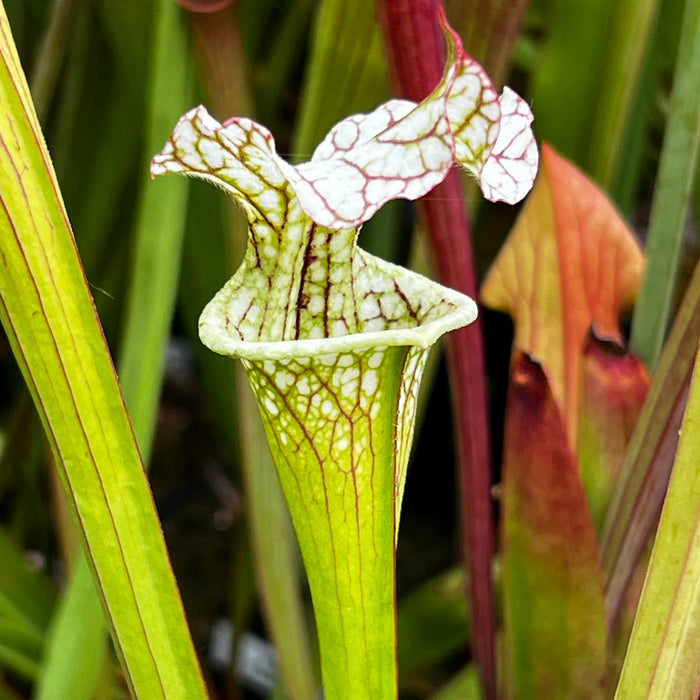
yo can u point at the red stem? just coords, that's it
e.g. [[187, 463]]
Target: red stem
[[416, 51]]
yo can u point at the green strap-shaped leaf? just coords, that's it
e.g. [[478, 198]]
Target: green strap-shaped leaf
[[674, 184], [343, 76], [159, 233], [639, 492], [574, 55], [77, 641], [626, 47], [76, 646], [663, 656], [48, 315]]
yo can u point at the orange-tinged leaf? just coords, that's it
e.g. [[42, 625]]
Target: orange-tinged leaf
[[570, 263], [614, 385], [555, 629]]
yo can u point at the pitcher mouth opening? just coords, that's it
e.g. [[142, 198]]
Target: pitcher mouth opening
[[450, 310]]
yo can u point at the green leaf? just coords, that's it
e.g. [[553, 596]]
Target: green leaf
[[344, 76], [290, 33], [53, 45], [663, 656], [573, 56], [77, 644], [129, 31], [672, 195], [628, 43], [463, 686], [77, 647], [159, 234], [49, 318], [433, 622], [639, 492], [26, 601]]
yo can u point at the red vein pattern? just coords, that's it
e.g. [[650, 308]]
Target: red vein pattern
[[334, 340]]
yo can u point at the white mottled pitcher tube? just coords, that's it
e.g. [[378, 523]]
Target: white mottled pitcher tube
[[339, 415], [334, 340]]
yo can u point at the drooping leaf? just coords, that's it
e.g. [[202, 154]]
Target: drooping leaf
[[555, 629]]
